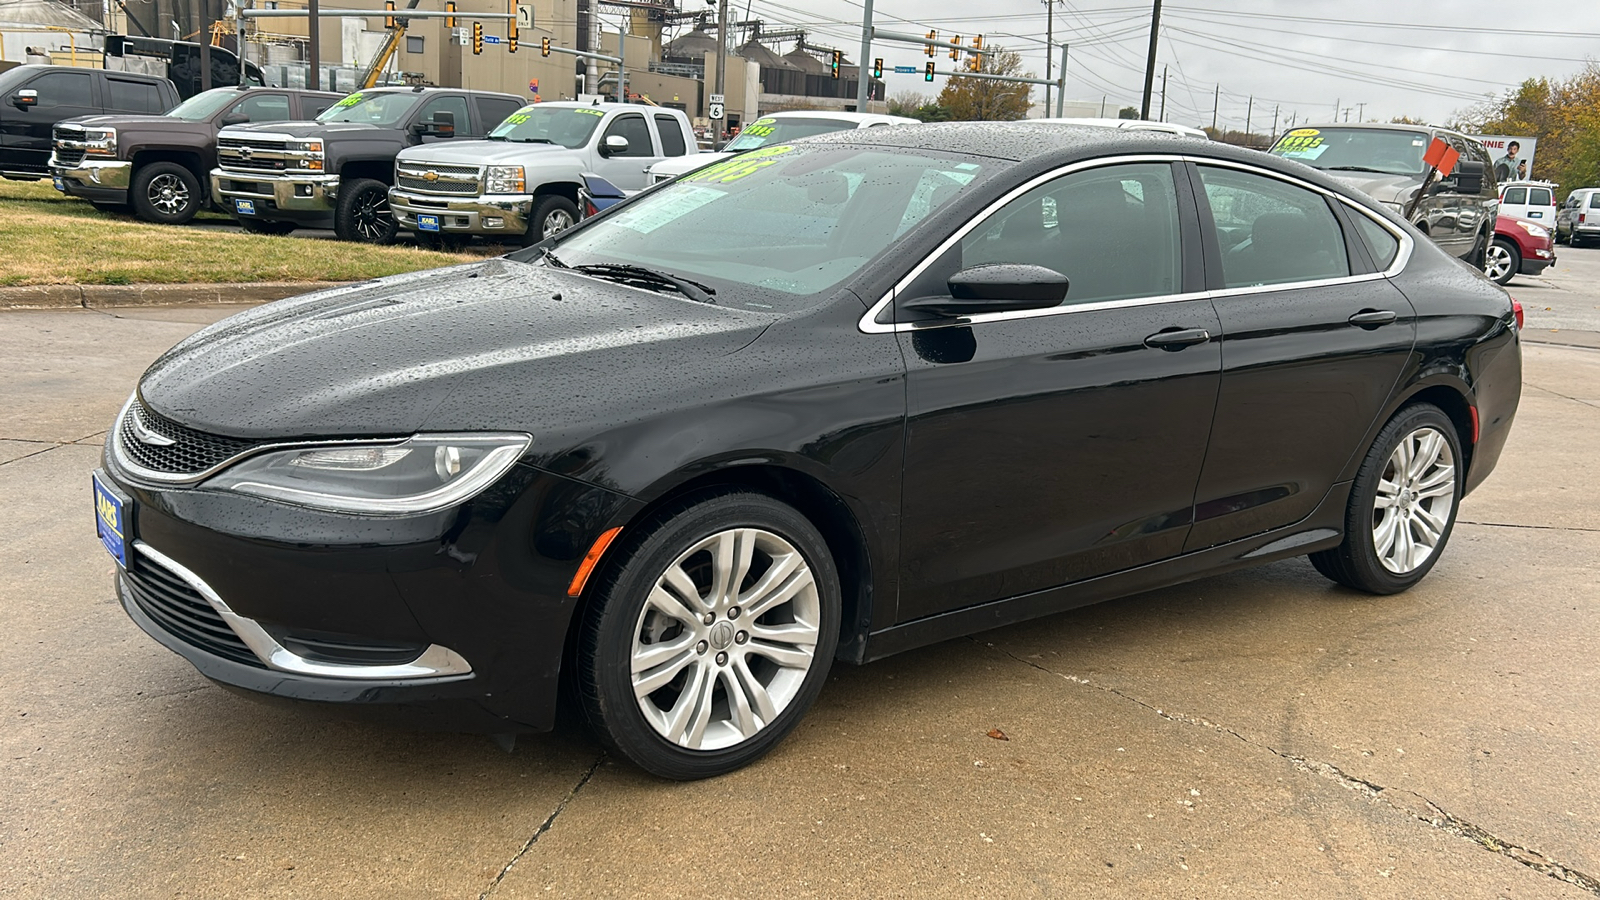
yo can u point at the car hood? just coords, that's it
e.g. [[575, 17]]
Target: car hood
[[311, 129], [165, 123], [378, 359], [477, 153], [1378, 186]]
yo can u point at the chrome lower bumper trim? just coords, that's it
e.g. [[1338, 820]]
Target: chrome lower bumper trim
[[435, 661], [110, 174], [296, 193], [464, 215]]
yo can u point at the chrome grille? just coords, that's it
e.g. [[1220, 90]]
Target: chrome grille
[[249, 155], [181, 611], [190, 453], [431, 179], [69, 145]]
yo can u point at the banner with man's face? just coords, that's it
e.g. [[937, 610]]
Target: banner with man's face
[[1510, 155]]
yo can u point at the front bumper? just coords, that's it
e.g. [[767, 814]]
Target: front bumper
[[489, 215], [290, 198], [453, 621], [103, 180]]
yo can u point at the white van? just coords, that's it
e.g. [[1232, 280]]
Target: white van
[[1534, 200]]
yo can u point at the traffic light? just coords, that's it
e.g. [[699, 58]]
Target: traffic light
[[511, 39], [954, 53], [388, 21], [927, 72], [477, 38], [838, 58], [975, 64], [977, 43], [544, 46], [932, 36], [877, 67], [450, 7]]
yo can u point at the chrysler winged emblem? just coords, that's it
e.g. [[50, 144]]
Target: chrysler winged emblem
[[146, 436]]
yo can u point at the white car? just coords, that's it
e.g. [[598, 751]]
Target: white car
[[773, 129], [1534, 200], [1129, 125]]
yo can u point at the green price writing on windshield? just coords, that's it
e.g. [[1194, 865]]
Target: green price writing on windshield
[[758, 130], [351, 100], [592, 112], [740, 166], [517, 118], [1302, 142]]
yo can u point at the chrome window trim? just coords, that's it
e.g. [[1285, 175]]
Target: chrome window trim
[[868, 325], [184, 479], [434, 662]]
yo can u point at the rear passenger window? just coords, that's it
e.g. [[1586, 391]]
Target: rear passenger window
[[1515, 195], [1594, 201], [135, 96], [671, 136], [1383, 245], [1271, 232], [493, 110], [1079, 224]]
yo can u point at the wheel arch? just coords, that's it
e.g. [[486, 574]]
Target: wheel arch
[[1453, 397], [567, 189], [188, 159], [376, 169]]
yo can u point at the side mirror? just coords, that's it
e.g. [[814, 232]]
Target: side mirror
[[613, 145], [233, 119], [443, 124], [25, 99], [1468, 177], [1007, 287]]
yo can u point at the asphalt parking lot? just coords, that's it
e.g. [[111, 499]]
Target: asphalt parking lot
[[1255, 734]]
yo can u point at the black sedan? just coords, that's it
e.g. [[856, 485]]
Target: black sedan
[[822, 401]]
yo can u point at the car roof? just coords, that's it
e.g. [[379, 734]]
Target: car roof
[[856, 117], [1528, 182], [1127, 124], [607, 106]]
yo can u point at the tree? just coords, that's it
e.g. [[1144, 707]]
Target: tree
[[1406, 120], [1127, 112], [1563, 115], [905, 103], [932, 112], [983, 100]]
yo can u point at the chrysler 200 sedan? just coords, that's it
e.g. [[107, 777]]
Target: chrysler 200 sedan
[[828, 400]]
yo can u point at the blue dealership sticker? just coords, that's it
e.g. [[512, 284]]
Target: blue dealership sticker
[[427, 223], [110, 521], [61, 185], [244, 207]]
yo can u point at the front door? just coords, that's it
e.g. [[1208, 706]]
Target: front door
[[626, 169], [62, 95], [1313, 344], [1050, 446]]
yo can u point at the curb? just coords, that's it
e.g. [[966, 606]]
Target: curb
[[1562, 337], [101, 296]]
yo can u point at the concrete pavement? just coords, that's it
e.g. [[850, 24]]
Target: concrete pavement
[[1256, 734]]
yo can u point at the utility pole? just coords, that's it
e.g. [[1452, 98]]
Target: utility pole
[[1102, 106], [1249, 109], [1061, 90], [1049, 45], [313, 47], [1216, 98], [622, 60], [863, 86], [1362, 115], [722, 66], [1274, 124], [1163, 116], [1150, 62], [1347, 113], [1336, 102]]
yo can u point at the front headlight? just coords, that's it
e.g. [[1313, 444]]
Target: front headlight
[[505, 180], [100, 142], [310, 154], [424, 474], [1535, 230]]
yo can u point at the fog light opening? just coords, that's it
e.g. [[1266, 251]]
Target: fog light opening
[[494, 222]]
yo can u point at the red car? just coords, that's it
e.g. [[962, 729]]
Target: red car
[[1520, 246]]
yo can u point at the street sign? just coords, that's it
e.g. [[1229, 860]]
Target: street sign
[[716, 98], [716, 111], [524, 15], [490, 39], [905, 70]]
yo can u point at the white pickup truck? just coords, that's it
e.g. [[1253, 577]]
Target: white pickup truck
[[522, 183], [776, 128]]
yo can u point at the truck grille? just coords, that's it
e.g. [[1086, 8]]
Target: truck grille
[[191, 453], [183, 612], [252, 155], [68, 158], [431, 179]]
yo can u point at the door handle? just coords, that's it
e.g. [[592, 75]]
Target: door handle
[[1177, 339], [1373, 318]]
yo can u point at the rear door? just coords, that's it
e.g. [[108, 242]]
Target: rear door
[[1314, 340], [494, 110], [132, 95], [1541, 205]]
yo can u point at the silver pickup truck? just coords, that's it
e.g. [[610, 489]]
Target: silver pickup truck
[[522, 183]]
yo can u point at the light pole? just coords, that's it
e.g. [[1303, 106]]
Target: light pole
[[863, 86], [722, 66], [1150, 63]]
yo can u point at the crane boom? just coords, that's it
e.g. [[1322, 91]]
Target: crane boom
[[386, 52]]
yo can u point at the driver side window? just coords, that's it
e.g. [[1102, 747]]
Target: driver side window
[[456, 106], [1113, 231], [636, 131]]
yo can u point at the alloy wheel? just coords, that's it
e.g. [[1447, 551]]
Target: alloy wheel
[[1497, 262], [372, 218], [556, 222], [1415, 500], [167, 193], [725, 639]]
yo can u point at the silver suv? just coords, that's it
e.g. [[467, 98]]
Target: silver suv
[[1578, 219]]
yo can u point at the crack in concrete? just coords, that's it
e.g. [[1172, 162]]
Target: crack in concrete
[[1407, 802], [1561, 395], [1535, 527], [53, 445], [544, 826]]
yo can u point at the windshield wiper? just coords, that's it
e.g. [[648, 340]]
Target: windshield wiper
[[691, 289], [550, 258], [1357, 169], [531, 141]]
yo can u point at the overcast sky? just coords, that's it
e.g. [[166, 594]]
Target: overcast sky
[[1287, 53]]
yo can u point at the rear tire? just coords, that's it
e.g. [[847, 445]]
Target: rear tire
[[711, 633], [165, 193], [1402, 505], [1502, 262], [363, 214]]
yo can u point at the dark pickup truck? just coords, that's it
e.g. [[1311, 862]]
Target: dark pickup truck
[[337, 170], [159, 164], [34, 98]]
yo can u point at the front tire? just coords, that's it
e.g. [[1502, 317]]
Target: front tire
[[1502, 262], [165, 193], [363, 214], [711, 634], [1402, 506], [551, 215]]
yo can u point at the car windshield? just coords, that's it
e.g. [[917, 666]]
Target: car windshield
[[772, 228], [386, 109], [776, 131], [569, 126], [1382, 150], [204, 105]]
